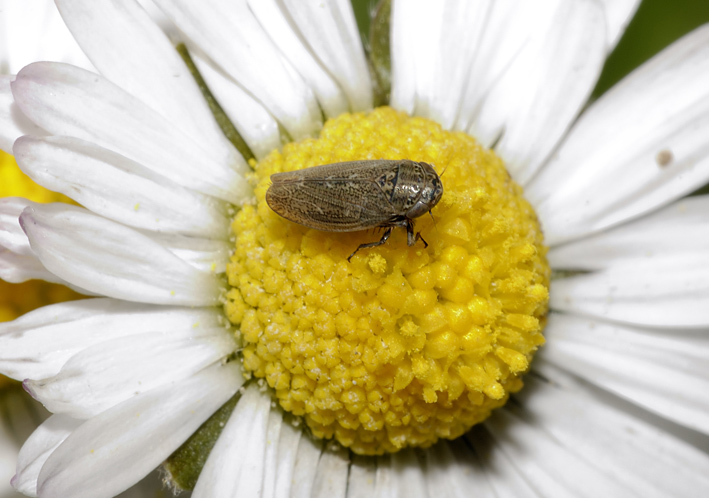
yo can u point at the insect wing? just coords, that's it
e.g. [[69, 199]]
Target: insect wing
[[338, 197], [339, 171]]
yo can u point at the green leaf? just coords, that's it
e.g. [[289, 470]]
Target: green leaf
[[380, 52], [185, 464]]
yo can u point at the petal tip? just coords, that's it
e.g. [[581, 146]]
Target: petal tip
[[26, 218], [27, 386]]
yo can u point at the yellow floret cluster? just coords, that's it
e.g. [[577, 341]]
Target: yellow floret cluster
[[402, 345]]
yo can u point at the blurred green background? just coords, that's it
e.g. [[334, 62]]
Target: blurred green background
[[656, 24]]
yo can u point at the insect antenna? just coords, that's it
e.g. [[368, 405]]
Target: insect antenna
[[434, 219]]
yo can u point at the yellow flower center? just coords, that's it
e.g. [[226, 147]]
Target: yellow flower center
[[402, 345]]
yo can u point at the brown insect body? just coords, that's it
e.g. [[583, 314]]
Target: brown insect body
[[357, 195]]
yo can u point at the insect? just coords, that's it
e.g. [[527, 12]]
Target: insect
[[357, 195]]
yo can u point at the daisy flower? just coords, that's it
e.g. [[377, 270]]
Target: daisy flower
[[31, 30], [252, 357]]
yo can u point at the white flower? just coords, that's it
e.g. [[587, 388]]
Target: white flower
[[618, 399]]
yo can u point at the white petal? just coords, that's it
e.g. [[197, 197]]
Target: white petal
[[129, 49], [306, 464], [363, 477], [385, 481], [497, 69], [207, 255], [235, 466], [535, 99], [113, 260], [33, 30], [680, 229], [254, 123], [272, 457], [37, 448], [13, 122], [331, 475], [20, 417], [69, 101], [18, 263], [11, 235], [330, 30], [16, 268], [662, 371], [664, 291], [403, 69], [8, 458], [547, 464], [289, 40], [453, 470], [640, 146], [282, 441], [37, 344], [506, 31], [637, 455], [618, 15], [288, 443], [503, 473], [407, 475], [231, 36], [433, 46], [118, 188], [113, 371], [151, 486], [399, 474], [107, 454]]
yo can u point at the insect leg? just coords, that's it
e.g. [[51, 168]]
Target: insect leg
[[411, 240], [418, 237], [410, 233], [384, 238]]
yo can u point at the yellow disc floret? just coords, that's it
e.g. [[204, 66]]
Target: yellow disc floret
[[404, 345]]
